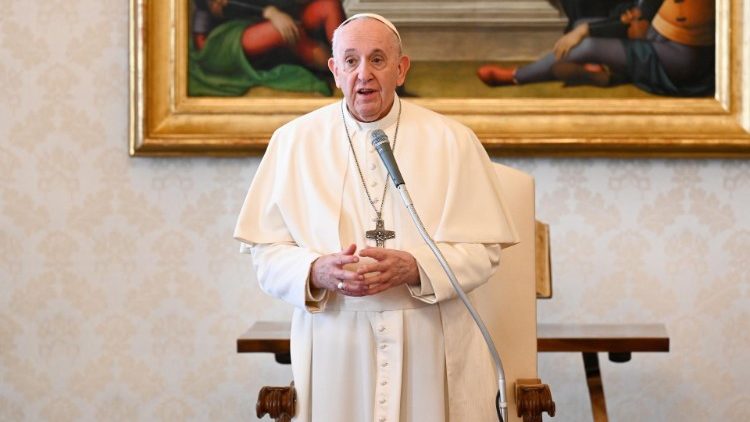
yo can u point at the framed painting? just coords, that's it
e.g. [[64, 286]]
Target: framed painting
[[172, 114]]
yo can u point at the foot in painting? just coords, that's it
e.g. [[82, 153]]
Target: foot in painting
[[493, 75]]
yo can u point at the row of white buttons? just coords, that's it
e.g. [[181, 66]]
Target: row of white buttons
[[383, 382], [373, 166]]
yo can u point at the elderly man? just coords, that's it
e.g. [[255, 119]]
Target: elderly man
[[377, 331]]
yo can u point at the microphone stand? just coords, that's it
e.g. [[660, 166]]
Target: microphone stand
[[501, 404]]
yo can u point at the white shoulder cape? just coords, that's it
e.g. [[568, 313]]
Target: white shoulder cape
[[296, 196]]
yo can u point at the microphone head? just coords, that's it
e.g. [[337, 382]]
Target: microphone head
[[381, 144], [378, 137]]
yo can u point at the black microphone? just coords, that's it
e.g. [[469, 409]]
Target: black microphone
[[380, 142]]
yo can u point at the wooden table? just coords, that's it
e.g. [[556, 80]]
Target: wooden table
[[618, 340]]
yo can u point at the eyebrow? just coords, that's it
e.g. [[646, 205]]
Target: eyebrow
[[353, 50]]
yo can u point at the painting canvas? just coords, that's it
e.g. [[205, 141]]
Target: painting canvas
[[238, 47], [217, 77]]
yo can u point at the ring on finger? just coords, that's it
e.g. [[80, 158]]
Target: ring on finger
[[340, 286]]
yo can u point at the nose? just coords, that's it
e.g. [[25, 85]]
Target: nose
[[364, 71]]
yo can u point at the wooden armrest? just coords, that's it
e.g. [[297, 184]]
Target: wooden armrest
[[279, 403], [532, 399]]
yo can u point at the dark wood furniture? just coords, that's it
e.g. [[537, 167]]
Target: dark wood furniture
[[620, 341]]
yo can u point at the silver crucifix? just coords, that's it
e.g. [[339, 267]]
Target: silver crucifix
[[380, 234]]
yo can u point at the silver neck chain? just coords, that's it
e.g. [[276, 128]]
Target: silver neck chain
[[378, 213]]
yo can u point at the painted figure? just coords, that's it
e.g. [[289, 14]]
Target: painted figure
[[281, 44], [664, 48]]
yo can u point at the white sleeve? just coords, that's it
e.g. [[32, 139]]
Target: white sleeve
[[283, 271], [472, 263]]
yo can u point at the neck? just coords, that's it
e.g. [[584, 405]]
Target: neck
[[379, 117], [383, 121]]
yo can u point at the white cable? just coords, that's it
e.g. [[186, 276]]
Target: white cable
[[502, 403]]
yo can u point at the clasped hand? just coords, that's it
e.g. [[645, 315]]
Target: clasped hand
[[390, 268]]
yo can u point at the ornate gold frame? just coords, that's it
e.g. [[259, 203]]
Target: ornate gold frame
[[165, 121]]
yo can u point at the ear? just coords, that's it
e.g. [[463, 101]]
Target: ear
[[334, 70], [403, 67]]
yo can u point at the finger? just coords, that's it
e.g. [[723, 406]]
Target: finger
[[294, 32], [356, 294], [291, 32], [372, 280], [345, 259], [375, 267], [369, 252], [373, 290], [558, 50], [377, 279], [559, 43], [349, 249], [353, 289], [377, 254], [283, 28], [288, 37], [346, 275]]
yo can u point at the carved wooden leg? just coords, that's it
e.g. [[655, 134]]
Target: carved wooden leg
[[278, 402], [596, 389], [533, 398]]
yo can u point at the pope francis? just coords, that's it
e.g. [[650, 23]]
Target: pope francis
[[377, 333]]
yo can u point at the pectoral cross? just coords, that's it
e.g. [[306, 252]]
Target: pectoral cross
[[380, 234]]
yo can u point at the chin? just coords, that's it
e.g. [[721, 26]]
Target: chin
[[367, 116], [367, 119]]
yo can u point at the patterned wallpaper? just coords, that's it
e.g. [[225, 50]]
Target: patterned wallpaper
[[122, 292], [651, 241]]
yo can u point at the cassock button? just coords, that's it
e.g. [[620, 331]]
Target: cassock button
[[372, 166], [381, 401], [384, 364], [382, 419], [374, 183], [384, 383], [381, 328], [383, 346]]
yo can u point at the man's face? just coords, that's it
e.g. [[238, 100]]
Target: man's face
[[368, 66]]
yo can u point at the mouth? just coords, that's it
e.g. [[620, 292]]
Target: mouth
[[366, 92]]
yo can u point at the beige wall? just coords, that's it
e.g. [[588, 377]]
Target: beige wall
[[122, 292], [651, 241]]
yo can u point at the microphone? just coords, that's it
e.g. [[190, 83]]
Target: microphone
[[381, 144]]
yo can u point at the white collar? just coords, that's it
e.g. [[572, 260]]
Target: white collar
[[387, 121]]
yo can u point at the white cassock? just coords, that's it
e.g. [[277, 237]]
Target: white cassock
[[408, 354]]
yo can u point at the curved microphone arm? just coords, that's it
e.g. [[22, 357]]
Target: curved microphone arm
[[381, 144], [501, 402]]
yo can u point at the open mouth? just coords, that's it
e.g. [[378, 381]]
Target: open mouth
[[365, 91]]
